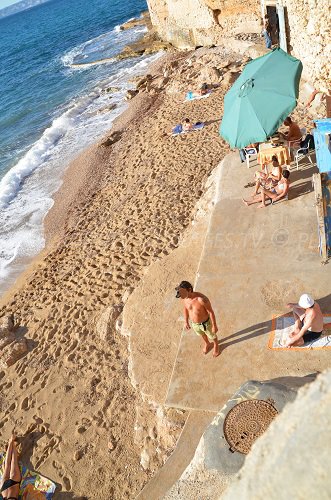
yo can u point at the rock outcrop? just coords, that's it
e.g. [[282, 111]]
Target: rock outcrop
[[12, 348], [299, 438], [214, 466], [203, 22], [191, 23]]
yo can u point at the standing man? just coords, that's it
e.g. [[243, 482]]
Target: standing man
[[308, 319], [198, 309]]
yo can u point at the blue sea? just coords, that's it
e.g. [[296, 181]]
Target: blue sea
[[57, 60]]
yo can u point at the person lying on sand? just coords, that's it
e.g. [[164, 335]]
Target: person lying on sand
[[186, 126], [11, 478], [275, 194], [308, 319], [198, 309], [268, 180], [203, 90]]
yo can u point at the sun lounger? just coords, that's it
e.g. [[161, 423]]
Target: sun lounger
[[191, 96], [178, 130]]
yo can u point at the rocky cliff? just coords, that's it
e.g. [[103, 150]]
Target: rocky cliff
[[191, 23]]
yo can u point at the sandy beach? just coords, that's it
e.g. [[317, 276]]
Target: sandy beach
[[122, 206], [125, 203]]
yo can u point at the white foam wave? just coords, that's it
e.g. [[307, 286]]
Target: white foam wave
[[107, 60], [26, 190], [39, 152], [102, 49]]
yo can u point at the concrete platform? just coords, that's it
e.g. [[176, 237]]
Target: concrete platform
[[254, 261]]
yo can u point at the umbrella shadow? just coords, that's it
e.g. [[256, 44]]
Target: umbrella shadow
[[300, 189], [305, 175]]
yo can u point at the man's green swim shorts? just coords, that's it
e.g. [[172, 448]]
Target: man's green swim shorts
[[204, 328]]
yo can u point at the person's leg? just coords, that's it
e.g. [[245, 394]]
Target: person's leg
[[263, 197], [216, 350], [257, 186], [252, 201], [267, 39], [15, 472], [11, 471], [298, 343], [298, 315], [6, 471], [207, 345]]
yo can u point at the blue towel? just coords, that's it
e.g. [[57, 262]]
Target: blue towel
[[178, 129]]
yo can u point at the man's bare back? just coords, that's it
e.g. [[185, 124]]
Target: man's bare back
[[308, 319]]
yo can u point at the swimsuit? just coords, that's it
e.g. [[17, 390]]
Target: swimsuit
[[8, 484], [204, 328], [310, 336]]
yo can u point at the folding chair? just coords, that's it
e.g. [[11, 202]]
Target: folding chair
[[294, 146], [250, 152], [305, 152]]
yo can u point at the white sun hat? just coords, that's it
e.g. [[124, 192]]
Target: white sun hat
[[306, 301]]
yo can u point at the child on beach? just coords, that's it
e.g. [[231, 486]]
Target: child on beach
[[198, 309]]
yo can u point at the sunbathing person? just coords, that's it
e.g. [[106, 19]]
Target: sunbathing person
[[275, 194], [268, 180], [11, 478], [203, 89], [308, 319], [187, 125]]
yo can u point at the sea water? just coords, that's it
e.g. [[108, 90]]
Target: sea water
[[57, 61]]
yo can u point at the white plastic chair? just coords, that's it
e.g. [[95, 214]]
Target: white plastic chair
[[249, 152], [302, 153], [294, 146]]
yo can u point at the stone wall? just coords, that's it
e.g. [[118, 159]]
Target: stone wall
[[309, 31], [190, 23]]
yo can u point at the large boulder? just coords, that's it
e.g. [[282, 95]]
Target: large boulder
[[13, 352], [106, 324]]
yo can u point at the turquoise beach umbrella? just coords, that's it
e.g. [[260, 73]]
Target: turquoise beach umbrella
[[261, 98]]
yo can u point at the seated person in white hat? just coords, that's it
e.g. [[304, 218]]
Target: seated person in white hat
[[308, 319]]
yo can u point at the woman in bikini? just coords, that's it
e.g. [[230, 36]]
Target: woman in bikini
[[266, 180], [276, 193], [11, 475], [11, 479]]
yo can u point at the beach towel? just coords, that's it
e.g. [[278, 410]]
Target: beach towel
[[283, 325], [179, 129], [38, 481], [191, 96]]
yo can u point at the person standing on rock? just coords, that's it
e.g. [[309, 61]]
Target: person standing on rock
[[198, 309]]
